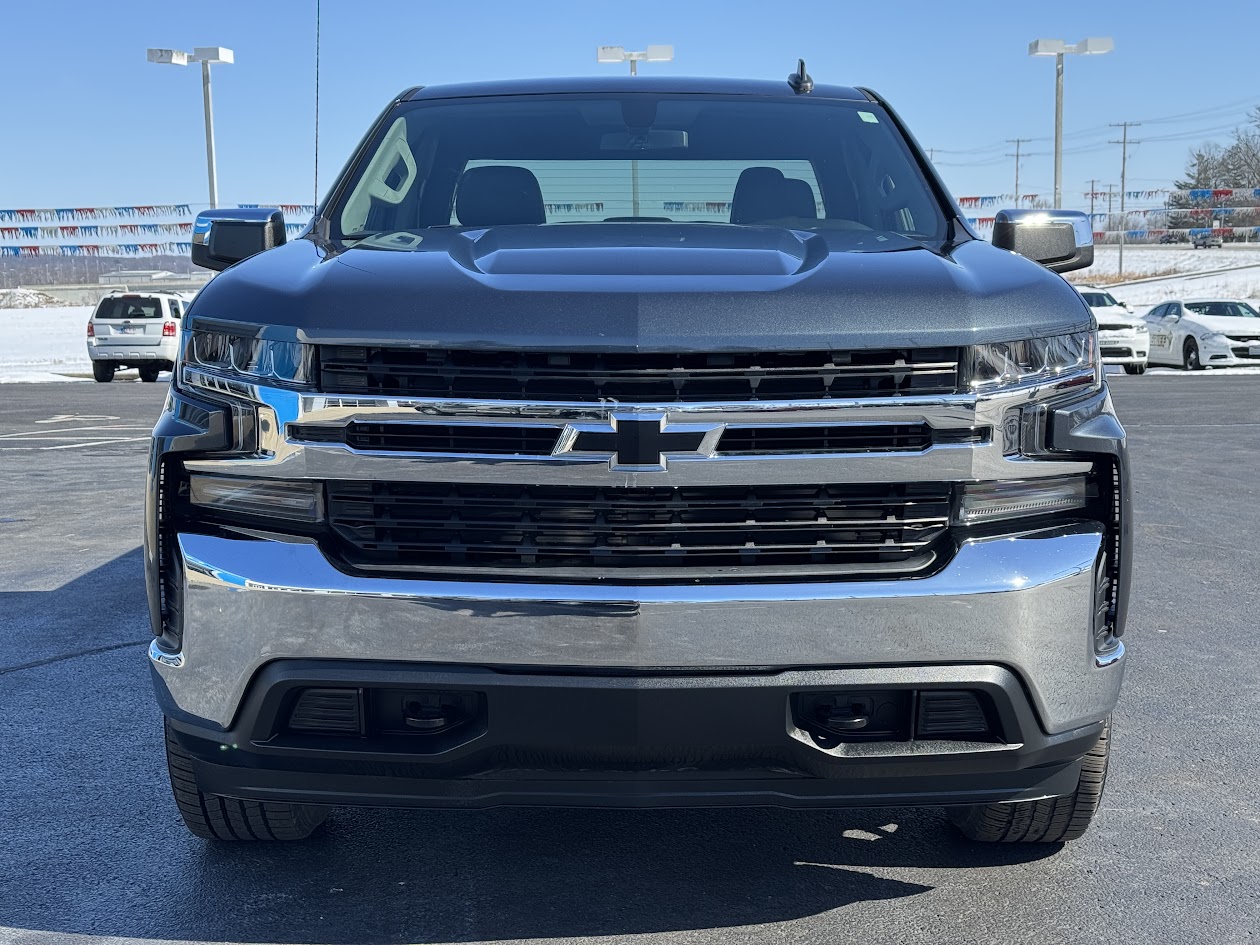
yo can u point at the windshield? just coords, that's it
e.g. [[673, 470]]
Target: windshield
[[1223, 309], [129, 306], [641, 158], [1098, 299]]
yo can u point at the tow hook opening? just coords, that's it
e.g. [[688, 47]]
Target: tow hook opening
[[895, 715]]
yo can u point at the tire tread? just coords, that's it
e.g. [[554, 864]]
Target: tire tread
[[1053, 820], [212, 817]]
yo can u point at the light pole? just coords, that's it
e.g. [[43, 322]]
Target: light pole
[[204, 55], [619, 54], [1093, 46]]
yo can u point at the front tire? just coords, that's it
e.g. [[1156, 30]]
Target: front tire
[[1054, 820], [1190, 356], [103, 371], [1135, 369], [212, 817]]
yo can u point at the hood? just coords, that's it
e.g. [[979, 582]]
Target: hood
[[640, 287], [1234, 327], [1117, 317]]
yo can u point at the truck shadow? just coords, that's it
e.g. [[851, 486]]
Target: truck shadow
[[93, 845]]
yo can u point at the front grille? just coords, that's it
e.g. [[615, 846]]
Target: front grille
[[561, 532], [1116, 352], [524, 440], [1243, 351], [852, 438], [433, 437], [590, 377]]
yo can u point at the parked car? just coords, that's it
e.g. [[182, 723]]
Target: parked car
[[1170, 238], [1122, 336], [1207, 241], [134, 330], [638, 442], [1200, 333]]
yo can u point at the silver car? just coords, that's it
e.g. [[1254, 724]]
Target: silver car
[[137, 330]]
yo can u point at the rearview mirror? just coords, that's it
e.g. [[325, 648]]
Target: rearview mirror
[[221, 238], [1061, 240]]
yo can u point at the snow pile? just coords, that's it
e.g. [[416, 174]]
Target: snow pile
[[26, 298], [44, 344]]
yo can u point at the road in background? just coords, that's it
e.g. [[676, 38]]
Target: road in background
[[91, 845]]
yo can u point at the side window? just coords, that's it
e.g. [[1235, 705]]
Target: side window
[[1159, 311], [177, 308]]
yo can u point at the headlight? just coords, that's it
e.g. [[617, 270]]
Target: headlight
[[245, 358], [1063, 360], [1215, 337]]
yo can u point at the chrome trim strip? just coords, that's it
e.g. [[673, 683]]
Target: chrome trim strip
[[945, 463]]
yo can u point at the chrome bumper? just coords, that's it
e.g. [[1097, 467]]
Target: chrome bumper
[[1024, 602]]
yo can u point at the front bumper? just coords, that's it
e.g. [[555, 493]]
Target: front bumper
[[1124, 346], [627, 741], [1023, 602]]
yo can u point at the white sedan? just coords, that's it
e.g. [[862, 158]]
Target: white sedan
[[1122, 336], [1200, 333]]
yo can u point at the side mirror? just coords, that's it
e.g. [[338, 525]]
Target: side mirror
[[223, 237], [1061, 240]]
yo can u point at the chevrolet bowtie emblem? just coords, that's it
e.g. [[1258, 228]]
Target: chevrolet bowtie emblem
[[635, 441]]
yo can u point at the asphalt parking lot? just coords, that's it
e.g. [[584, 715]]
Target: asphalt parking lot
[[91, 845]]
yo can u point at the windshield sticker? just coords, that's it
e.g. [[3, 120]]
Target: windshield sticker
[[868, 117]]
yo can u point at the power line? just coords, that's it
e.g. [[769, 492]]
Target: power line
[[1124, 166], [1017, 142]]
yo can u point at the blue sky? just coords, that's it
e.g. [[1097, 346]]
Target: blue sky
[[86, 121]]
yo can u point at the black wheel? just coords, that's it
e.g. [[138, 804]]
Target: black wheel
[[149, 372], [1054, 820], [225, 818], [1135, 369], [1190, 356], [103, 371]]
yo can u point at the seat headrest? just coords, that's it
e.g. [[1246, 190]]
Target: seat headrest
[[499, 196], [757, 195], [799, 199]]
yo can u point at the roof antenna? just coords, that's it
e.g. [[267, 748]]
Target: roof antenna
[[800, 80]]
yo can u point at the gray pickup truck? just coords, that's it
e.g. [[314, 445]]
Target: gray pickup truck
[[638, 442]]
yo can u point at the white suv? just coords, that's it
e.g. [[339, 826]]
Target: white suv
[[1122, 336], [134, 329]]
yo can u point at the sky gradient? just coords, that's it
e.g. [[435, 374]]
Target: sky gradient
[[86, 121]]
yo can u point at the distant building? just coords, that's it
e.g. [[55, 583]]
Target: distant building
[[128, 276]]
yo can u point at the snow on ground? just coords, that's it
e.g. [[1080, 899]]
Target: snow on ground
[[1142, 261], [44, 344], [1243, 284]]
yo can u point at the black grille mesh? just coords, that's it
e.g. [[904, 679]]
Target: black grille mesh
[[472, 527], [590, 377]]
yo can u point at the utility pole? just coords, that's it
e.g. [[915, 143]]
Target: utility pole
[[1017, 142], [1093, 186], [1124, 166]]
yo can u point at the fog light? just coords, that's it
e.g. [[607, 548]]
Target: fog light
[[296, 501], [992, 501]]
